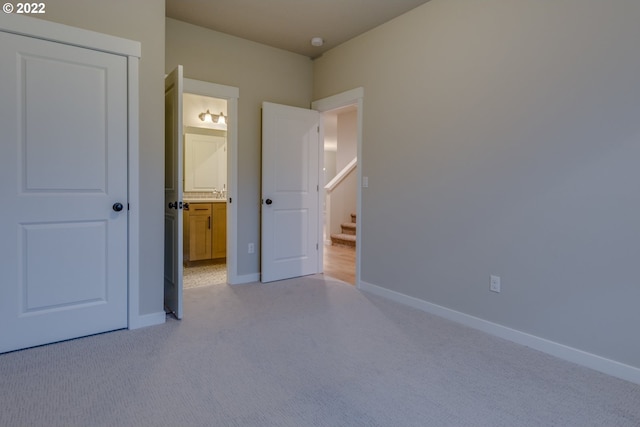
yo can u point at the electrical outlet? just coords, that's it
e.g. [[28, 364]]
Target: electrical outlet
[[252, 248], [495, 284]]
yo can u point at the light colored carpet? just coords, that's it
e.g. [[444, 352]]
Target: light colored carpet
[[304, 352], [204, 275]]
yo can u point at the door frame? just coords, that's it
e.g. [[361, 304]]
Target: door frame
[[231, 95], [344, 99], [60, 33]]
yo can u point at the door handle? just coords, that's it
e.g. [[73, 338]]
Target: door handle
[[268, 201], [117, 207]]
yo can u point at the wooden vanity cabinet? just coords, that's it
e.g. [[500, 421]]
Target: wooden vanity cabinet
[[205, 232]]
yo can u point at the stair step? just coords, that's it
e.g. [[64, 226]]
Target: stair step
[[348, 228], [343, 240]]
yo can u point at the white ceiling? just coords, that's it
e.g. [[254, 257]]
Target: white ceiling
[[290, 24]]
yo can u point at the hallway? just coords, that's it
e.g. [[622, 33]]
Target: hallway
[[340, 263]]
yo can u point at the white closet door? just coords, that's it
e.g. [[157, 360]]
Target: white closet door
[[63, 187]]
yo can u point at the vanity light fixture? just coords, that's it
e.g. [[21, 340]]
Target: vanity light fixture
[[209, 117]]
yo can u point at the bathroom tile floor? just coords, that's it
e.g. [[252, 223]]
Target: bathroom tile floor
[[204, 275]]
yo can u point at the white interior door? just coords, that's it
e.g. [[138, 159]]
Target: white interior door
[[290, 192], [173, 241], [63, 185]]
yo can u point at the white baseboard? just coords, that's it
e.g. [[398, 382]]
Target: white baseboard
[[246, 278], [145, 320], [580, 357]]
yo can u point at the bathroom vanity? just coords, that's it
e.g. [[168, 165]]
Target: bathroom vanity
[[205, 230]]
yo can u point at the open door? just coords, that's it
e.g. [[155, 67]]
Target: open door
[[173, 193], [290, 192]]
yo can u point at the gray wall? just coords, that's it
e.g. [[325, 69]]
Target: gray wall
[[262, 74], [141, 20], [513, 150]]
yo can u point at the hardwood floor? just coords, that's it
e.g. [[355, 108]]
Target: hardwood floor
[[340, 263]]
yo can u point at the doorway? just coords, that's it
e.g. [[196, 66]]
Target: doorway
[[175, 87], [338, 262], [218, 191], [291, 172], [205, 190], [340, 191]]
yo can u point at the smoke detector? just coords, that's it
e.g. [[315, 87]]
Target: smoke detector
[[317, 41]]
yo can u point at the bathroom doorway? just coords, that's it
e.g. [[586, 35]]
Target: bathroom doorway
[[209, 177], [205, 190]]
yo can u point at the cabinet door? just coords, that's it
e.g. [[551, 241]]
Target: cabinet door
[[200, 231], [219, 249]]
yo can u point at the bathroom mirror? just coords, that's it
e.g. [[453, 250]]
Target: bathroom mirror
[[205, 161]]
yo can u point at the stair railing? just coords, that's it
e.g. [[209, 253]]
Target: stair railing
[[340, 176], [340, 207]]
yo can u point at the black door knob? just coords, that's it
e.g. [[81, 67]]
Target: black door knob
[[268, 201], [117, 207]]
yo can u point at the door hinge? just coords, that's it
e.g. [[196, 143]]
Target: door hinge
[[317, 247], [317, 187], [318, 129]]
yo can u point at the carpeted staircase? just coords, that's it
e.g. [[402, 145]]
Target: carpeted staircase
[[348, 236]]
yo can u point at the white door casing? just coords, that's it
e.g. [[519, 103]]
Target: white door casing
[[173, 232], [63, 169], [290, 192]]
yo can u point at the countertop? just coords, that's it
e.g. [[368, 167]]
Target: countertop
[[205, 200]]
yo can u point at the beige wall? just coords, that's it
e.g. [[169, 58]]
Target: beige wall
[[262, 74], [347, 136], [143, 21], [513, 150]]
